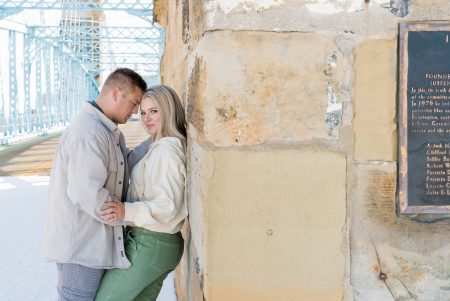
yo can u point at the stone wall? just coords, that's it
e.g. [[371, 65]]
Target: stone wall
[[292, 109]]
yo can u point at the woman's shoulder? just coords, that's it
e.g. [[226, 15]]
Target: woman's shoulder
[[169, 142], [169, 146]]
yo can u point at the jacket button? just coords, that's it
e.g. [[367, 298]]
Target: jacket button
[[120, 182], [121, 253], [121, 163], [117, 144], [120, 238]]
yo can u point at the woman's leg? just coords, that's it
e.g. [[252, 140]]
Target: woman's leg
[[125, 284], [151, 292], [152, 256]]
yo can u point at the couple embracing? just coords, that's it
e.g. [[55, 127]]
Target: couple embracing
[[114, 215]]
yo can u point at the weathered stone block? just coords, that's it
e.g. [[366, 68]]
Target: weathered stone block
[[264, 86], [275, 226], [375, 101]]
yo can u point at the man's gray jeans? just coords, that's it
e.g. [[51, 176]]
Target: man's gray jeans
[[77, 282]]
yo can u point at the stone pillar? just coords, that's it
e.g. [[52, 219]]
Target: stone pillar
[[292, 151]]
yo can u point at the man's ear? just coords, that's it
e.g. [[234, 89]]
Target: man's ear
[[115, 93]]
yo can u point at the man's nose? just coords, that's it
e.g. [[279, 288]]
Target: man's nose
[[135, 109]]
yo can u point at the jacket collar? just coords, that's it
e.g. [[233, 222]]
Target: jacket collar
[[108, 123]]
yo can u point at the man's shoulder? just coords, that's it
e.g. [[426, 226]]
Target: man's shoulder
[[86, 126], [86, 122]]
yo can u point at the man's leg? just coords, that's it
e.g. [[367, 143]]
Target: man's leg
[[77, 282]]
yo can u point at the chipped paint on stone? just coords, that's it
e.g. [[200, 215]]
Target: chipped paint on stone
[[328, 7], [345, 44], [214, 7], [334, 108], [324, 8], [398, 7], [228, 5], [334, 112]]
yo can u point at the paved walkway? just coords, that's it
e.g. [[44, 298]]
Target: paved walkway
[[34, 157]]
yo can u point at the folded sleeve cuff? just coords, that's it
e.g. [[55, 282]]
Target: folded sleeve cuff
[[131, 211]]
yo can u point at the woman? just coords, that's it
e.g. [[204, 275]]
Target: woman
[[155, 207]]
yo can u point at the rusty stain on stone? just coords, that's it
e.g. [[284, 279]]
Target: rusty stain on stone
[[381, 192], [227, 114], [376, 268], [195, 113], [185, 16], [380, 196]]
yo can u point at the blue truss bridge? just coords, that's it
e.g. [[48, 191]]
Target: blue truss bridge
[[55, 54]]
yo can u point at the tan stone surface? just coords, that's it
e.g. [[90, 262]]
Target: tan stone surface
[[275, 226], [279, 94], [429, 2], [199, 170], [188, 274], [173, 62], [375, 100], [413, 255]]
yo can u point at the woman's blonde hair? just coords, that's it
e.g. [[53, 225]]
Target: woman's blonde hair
[[171, 112]]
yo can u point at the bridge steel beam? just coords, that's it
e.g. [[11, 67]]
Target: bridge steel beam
[[140, 8], [62, 64]]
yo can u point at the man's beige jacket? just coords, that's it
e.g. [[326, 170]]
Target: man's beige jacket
[[89, 168]]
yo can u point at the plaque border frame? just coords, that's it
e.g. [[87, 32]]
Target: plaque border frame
[[404, 28]]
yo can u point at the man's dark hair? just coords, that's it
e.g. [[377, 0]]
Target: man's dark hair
[[125, 76]]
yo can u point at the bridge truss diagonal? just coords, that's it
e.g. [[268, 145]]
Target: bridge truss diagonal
[[50, 68]]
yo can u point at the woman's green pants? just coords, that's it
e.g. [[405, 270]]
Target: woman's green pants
[[153, 256]]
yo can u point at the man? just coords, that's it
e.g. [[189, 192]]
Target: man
[[89, 168]]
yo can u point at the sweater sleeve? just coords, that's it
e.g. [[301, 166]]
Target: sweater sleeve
[[87, 173], [163, 189]]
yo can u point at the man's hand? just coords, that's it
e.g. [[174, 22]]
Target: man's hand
[[113, 211]]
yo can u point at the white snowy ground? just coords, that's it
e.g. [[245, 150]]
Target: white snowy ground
[[24, 274]]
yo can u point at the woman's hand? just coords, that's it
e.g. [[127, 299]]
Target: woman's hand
[[113, 211]]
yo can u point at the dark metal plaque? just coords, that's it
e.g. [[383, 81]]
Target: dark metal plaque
[[424, 118]]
